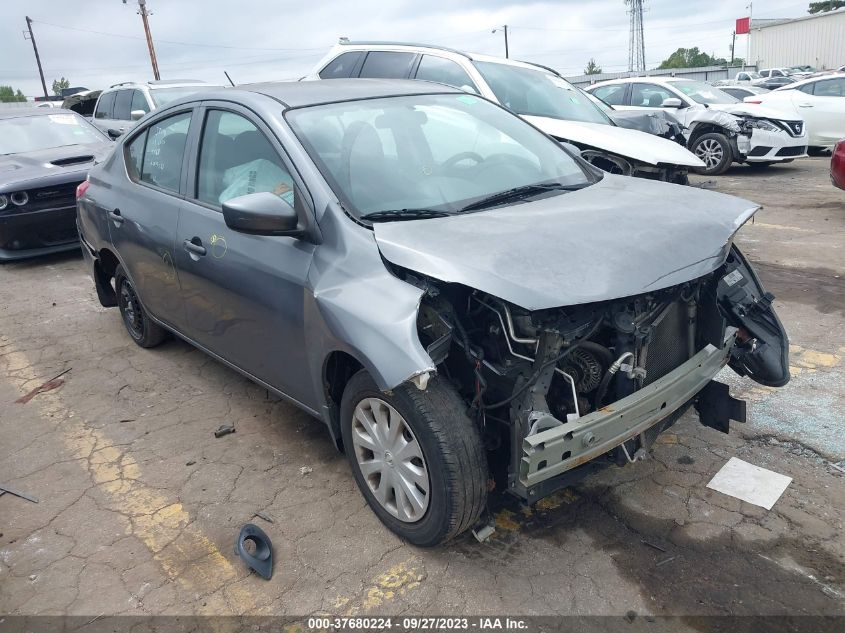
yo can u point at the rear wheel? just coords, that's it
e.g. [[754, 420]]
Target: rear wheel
[[715, 151], [416, 457], [138, 323]]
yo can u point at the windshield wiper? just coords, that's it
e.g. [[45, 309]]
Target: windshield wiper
[[520, 193], [404, 214]]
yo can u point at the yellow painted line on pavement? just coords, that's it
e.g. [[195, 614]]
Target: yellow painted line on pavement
[[782, 227], [186, 555]]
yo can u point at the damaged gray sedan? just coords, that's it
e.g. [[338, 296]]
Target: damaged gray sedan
[[463, 302]]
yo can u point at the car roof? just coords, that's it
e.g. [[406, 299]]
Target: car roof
[[432, 48], [650, 80], [810, 80], [295, 94], [14, 113], [161, 83]]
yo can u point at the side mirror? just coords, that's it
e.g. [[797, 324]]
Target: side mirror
[[671, 102], [136, 114], [261, 213], [114, 134]]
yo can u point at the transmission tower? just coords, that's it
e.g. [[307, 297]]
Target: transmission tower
[[636, 43]]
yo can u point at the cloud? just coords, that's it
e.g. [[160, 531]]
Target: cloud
[[100, 42]]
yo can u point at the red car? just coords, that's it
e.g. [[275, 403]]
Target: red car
[[837, 165]]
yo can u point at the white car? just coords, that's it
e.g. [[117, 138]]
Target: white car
[[536, 93], [820, 101], [721, 129]]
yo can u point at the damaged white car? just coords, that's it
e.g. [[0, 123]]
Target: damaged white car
[[465, 303], [721, 129], [538, 94]]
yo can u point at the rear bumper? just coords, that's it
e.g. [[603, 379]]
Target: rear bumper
[[34, 233], [552, 452]]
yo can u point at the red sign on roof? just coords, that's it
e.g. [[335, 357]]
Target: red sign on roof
[[743, 26]]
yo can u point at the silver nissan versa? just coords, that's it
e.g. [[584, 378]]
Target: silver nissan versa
[[463, 302]]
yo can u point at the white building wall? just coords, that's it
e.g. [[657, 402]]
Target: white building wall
[[817, 40]]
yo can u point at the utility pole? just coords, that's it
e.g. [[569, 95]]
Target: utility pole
[[505, 29], [733, 46], [37, 58], [142, 11]]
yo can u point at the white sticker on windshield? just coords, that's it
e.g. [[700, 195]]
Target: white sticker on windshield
[[64, 119]]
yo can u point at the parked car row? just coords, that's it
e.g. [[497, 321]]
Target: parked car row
[[440, 256]]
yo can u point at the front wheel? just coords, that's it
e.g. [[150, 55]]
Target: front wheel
[[416, 457], [715, 151]]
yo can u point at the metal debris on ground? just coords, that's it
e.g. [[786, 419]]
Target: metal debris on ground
[[190, 462], [265, 516], [665, 560], [54, 383], [17, 493], [837, 466], [654, 545], [750, 483], [306, 470], [224, 429], [483, 533]]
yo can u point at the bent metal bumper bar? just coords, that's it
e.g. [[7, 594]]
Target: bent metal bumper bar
[[559, 449]]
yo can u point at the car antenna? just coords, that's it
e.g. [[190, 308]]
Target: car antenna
[[229, 78]]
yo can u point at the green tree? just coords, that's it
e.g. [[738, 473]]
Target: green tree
[[824, 7], [8, 95], [691, 58], [59, 85], [592, 68]]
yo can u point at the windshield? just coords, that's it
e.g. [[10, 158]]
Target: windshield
[[163, 96], [438, 153], [702, 93], [30, 133], [539, 93]]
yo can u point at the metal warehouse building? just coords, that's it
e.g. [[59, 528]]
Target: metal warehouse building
[[815, 40]]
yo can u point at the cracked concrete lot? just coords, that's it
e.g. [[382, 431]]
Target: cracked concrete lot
[[139, 503]]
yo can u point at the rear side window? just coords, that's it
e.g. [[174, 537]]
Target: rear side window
[[121, 105], [134, 156], [611, 95], [236, 159], [139, 102], [387, 65], [341, 67], [445, 71], [104, 106], [830, 88], [164, 151]]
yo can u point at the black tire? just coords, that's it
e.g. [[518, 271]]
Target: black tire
[[452, 450], [700, 147], [141, 328]]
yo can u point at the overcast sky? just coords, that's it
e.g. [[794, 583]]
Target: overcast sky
[[95, 43]]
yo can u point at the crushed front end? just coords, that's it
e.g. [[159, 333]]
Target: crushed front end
[[553, 389]]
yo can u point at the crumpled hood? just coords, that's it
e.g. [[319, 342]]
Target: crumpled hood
[[620, 237], [629, 143], [23, 170], [753, 110]]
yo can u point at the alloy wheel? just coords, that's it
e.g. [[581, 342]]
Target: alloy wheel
[[710, 152], [390, 459]]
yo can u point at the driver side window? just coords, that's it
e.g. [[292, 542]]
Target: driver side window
[[649, 95], [236, 159]]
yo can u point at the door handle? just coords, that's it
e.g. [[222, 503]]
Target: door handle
[[194, 246], [116, 217], [805, 105]]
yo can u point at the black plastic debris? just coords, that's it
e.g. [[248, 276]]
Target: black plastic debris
[[4, 488], [224, 429], [261, 560]]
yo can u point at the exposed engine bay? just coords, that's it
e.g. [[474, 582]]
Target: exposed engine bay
[[527, 375]]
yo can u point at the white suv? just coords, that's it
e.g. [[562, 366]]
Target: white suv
[[721, 129], [120, 105], [538, 94]]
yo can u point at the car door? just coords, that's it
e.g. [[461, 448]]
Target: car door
[[243, 294], [444, 71], [103, 111], [388, 65], [145, 214], [823, 110]]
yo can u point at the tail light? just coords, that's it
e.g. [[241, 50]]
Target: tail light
[[758, 102], [82, 188]]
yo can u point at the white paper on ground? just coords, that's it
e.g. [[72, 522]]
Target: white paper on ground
[[750, 483]]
